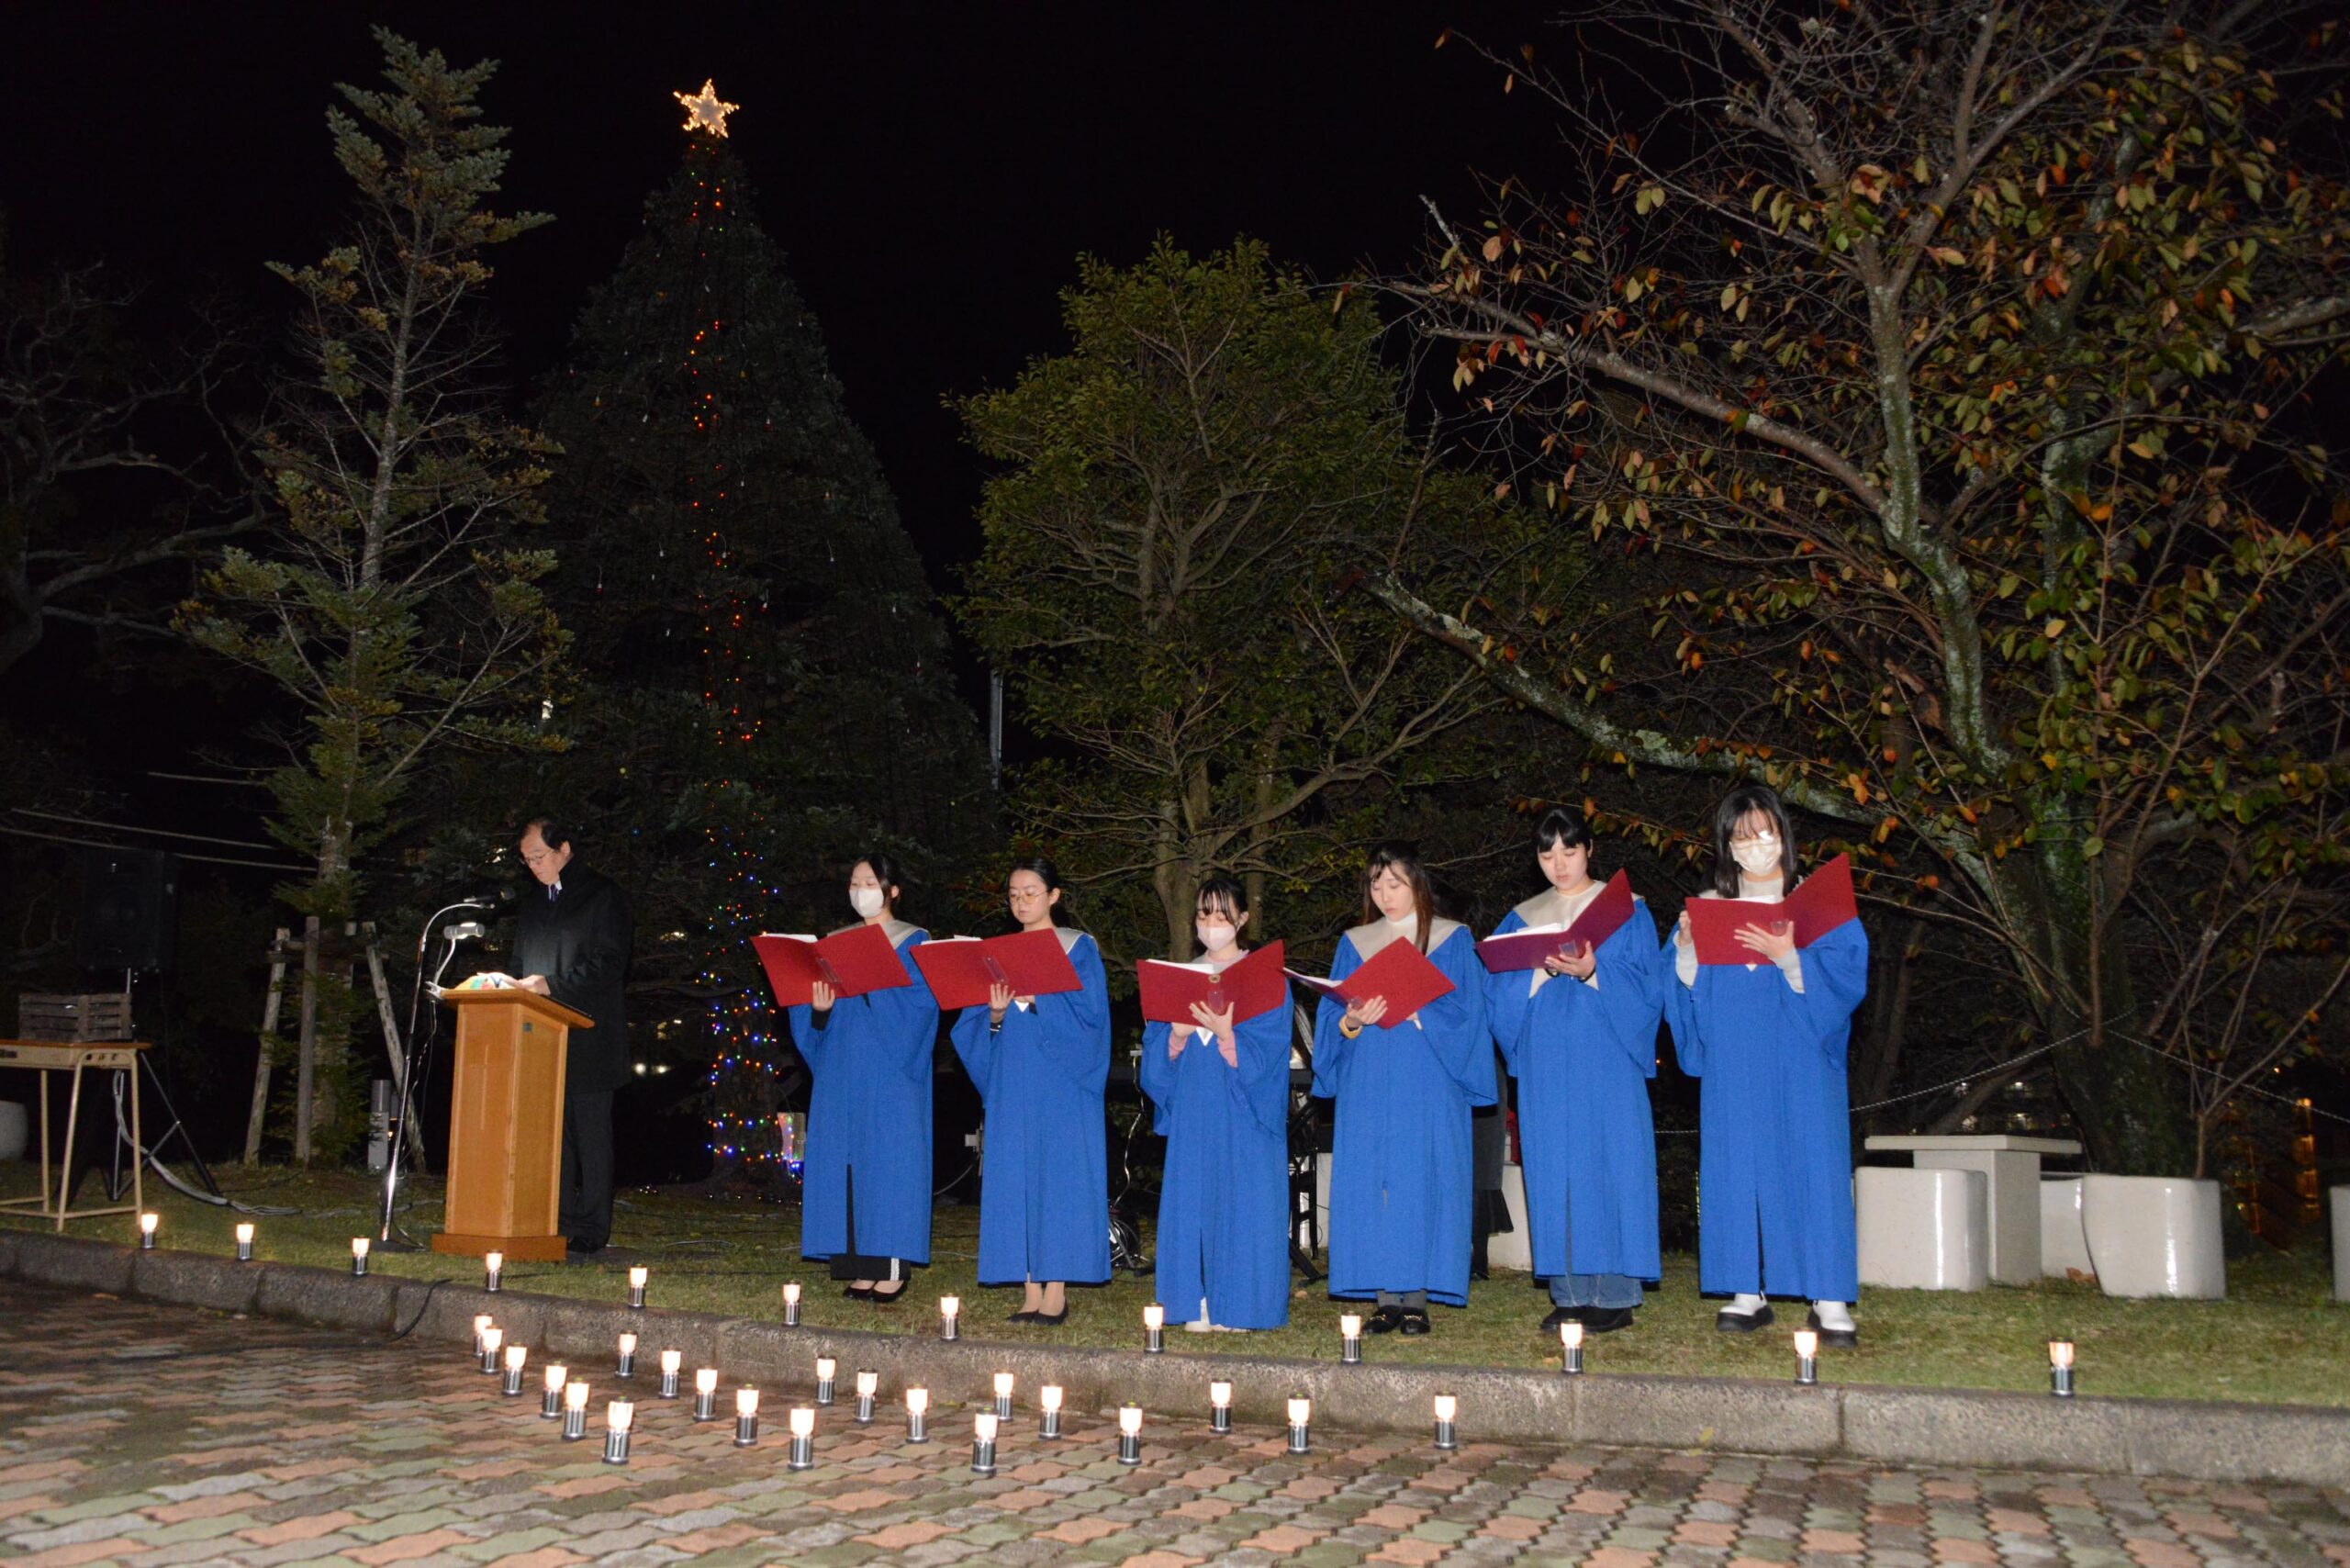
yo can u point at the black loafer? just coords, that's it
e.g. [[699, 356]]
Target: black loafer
[[1605, 1319], [1832, 1338], [1728, 1322], [1049, 1319], [856, 1293], [1385, 1320], [886, 1298], [1559, 1318], [1413, 1321]]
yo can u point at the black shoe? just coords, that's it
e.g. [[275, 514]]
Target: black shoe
[[1605, 1319], [580, 1247], [1049, 1319], [1385, 1320], [1559, 1318], [856, 1293], [1728, 1322], [1833, 1339], [879, 1297], [1414, 1322], [1023, 1315]]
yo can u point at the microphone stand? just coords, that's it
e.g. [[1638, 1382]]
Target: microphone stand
[[390, 1237]]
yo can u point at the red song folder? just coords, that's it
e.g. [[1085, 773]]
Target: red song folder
[[852, 962], [1529, 949], [1399, 972], [1250, 986], [1820, 904], [961, 968]]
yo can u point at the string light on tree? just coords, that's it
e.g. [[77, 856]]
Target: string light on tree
[[704, 110]]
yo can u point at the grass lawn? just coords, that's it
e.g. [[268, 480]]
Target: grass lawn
[[2278, 1338]]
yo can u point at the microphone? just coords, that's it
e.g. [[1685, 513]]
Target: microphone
[[484, 901]]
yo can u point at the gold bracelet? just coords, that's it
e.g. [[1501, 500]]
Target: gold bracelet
[[1350, 1029]]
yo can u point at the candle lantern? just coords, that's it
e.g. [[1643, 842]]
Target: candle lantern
[[950, 1308], [244, 1243], [1004, 1397], [516, 1355], [1154, 1329], [983, 1428], [636, 1279], [917, 1415], [492, 1338], [1350, 1340], [619, 1415], [147, 1224], [575, 1411], [1300, 1411], [1571, 1349], [1447, 1435], [869, 1383], [1806, 1356], [803, 1440], [1219, 1406], [493, 1269], [1129, 1434], [827, 1370], [628, 1355], [2060, 1368], [358, 1257], [706, 1393], [746, 1416], [552, 1380], [791, 1304], [482, 1320], [1048, 1400]]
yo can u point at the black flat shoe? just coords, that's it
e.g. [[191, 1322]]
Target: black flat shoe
[[856, 1293], [1413, 1321], [1560, 1316], [1385, 1320], [1605, 1319], [1023, 1315], [1832, 1338], [1728, 1322], [890, 1298], [1049, 1319]]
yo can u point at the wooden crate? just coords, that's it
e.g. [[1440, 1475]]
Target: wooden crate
[[73, 1019]]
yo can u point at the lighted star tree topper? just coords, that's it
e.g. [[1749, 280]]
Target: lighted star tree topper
[[705, 110]]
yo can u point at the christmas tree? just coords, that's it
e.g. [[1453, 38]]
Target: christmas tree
[[771, 692]]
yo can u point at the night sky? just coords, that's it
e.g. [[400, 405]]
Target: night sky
[[931, 173]]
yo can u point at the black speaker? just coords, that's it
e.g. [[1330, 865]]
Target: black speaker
[[127, 908]]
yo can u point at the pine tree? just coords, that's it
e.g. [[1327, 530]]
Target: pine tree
[[771, 687]]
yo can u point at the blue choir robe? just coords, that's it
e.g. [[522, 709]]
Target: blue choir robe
[[1044, 1170], [1224, 1207], [1774, 1158], [868, 1117], [1582, 1056], [1399, 1161]]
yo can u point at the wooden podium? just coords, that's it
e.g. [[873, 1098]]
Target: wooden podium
[[505, 1125]]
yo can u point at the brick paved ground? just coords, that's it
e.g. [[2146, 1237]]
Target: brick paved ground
[[135, 1434]]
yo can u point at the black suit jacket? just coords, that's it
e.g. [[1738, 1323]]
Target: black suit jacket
[[580, 942]]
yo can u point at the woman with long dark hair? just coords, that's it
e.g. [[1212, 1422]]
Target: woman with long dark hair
[[1219, 1093], [1580, 1035], [865, 1201], [1767, 1040], [1040, 1064], [1400, 1160]]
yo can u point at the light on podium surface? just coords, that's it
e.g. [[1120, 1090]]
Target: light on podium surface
[[482, 1320]]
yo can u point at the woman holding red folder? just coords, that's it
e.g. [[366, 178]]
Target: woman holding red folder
[[1400, 1158], [1767, 1039], [1580, 1035], [866, 1181], [1040, 1064], [1219, 1093]]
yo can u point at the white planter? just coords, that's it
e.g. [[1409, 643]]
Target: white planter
[[2064, 1243], [14, 1130], [2154, 1236], [1923, 1229], [2339, 1198]]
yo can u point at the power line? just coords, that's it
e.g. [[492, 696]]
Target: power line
[[126, 827], [100, 843]]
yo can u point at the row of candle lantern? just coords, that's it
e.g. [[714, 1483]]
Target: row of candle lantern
[[1154, 1320]]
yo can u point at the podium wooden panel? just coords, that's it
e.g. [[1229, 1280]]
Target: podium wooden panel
[[505, 1125]]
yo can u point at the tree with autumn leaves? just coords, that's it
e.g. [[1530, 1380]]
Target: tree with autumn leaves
[[1947, 383]]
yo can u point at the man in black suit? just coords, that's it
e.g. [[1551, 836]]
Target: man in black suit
[[573, 945]]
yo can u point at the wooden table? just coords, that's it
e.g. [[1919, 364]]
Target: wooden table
[[2011, 1165], [46, 1057]]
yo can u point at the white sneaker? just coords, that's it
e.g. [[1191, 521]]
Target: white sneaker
[[1834, 1320]]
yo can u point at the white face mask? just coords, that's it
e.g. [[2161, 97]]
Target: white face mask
[[1213, 937], [1758, 859], [867, 901]]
